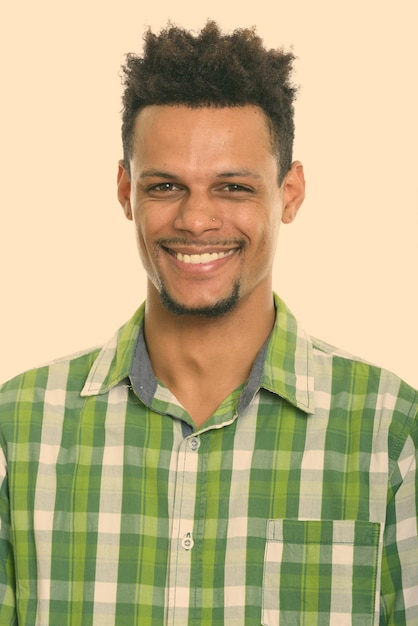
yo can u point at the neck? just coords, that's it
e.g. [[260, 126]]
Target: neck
[[203, 360]]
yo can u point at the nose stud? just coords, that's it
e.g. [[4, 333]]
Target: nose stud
[[213, 219]]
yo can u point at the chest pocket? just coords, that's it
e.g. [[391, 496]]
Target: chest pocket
[[320, 572]]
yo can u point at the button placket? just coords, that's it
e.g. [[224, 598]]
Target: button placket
[[182, 541]]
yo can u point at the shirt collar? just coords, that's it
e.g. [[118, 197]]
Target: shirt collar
[[289, 362], [114, 360], [287, 370]]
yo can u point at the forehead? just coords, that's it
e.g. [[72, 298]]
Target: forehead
[[161, 126], [202, 142]]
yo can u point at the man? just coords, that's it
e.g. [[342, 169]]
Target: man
[[212, 464]]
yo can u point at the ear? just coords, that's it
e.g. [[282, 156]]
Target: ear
[[124, 190], [293, 192]]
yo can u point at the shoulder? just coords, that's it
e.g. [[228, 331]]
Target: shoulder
[[366, 386], [57, 377], [342, 360], [67, 375]]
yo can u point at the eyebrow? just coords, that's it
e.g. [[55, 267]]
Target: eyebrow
[[239, 173], [228, 174], [157, 174]]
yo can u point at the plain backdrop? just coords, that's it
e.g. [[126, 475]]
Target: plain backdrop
[[70, 273]]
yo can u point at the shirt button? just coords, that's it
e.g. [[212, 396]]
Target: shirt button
[[187, 542], [194, 443]]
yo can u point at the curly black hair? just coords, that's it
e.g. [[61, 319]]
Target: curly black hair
[[211, 69]]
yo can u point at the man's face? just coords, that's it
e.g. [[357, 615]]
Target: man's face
[[203, 194]]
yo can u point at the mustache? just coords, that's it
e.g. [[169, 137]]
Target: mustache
[[203, 243]]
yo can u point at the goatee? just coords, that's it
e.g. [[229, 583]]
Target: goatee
[[220, 308]]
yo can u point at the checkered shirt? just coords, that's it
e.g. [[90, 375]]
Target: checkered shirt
[[294, 504]]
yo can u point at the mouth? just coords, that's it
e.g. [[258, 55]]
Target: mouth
[[192, 256], [199, 259]]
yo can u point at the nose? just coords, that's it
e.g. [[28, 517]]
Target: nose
[[197, 214]]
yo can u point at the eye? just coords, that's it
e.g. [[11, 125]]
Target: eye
[[237, 188], [163, 187]]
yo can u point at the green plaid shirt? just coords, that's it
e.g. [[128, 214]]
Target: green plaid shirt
[[295, 504]]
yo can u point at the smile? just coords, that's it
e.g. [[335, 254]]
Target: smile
[[206, 257]]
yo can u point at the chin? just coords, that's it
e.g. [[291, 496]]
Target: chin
[[210, 311]]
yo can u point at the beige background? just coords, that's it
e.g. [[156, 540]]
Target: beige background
[[347, 267]]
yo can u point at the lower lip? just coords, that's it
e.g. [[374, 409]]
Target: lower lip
[[201, 268]]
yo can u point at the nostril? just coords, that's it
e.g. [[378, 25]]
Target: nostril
[[194, 220]]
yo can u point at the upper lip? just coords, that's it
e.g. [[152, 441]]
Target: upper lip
[[193, 250], [206, 248]]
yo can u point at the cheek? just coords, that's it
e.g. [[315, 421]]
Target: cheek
[[264, 231], [144, 236], [148, 229], [265, 247], [151, 222]]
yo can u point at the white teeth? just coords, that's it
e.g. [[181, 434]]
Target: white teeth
[[207, 257]]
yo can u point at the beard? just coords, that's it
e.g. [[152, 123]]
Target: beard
[[219, 309]]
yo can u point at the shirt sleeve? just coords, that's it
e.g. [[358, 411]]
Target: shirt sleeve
[[8, 615], [399, 579]]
